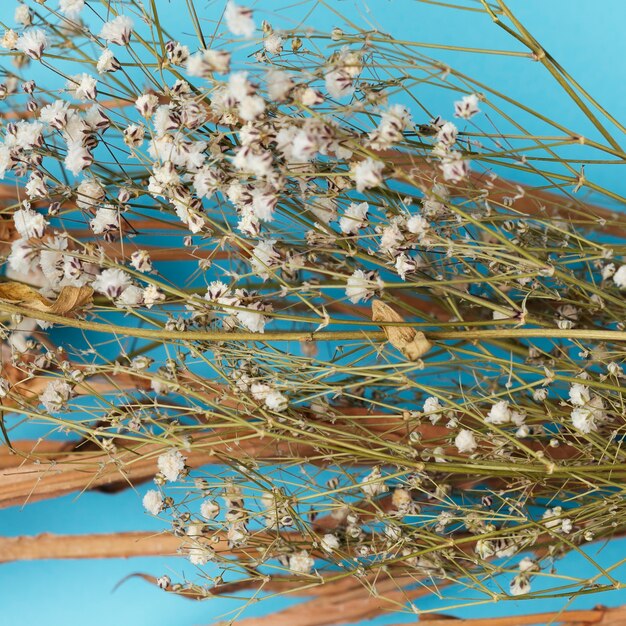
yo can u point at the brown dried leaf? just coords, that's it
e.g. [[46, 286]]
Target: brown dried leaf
[[412, 343], [70, 298]]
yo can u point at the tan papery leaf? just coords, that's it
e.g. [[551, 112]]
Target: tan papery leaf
[[70, 298], [412, 343]]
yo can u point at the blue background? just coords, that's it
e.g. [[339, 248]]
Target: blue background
[[587, 37]]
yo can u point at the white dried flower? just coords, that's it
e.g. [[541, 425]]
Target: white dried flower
[[89, 194], [279, 85], [252, 318], [392, 123], [147, 104], [619, 278], [32, 43], [500, 413], [55, 395], [374, 484], [417, 225], [367, 174], [339, 83], [329, 542], [587, 418], [579, 394], [105, 220], [465, 441], [205, 62], [239, 20], [153, 502], [171, 464], [83, 87], [77, 158], [9, 40], [467, 107], [264, 258], [273, 43], [71, 8], [111, 282], [140, 260], [354, 218], [520, 585], [528, 565], [301, 562], [363, 285], [454, 167], [447, 134], [433, 409], [118, 30], [276, 401], [107, 62], [29, 223], [404, 265], [209, 509]]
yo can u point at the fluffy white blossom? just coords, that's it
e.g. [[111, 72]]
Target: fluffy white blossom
[[205, 62], [500, 413], [239, 20], [264, 258], [23, 15], [520, 585], [329, 542], [55, 395], [465, 441], [153, 502], [118, 30], [77, 158], [29, 223], [130, 297], [454, 167], [171, 464], [83, 87], [392, 123], [55, 114], [447, 134], [273, 43], [417, 225], [89, 194], [253, 318], [467, 107], [404, 265], [362, 286], [112, 282], [32, 43], [339, 83], [354, 218], [147, 104], [9, 40], [433, 409], [71, 8], [373, 484], [279, 84], [209, 509], [588, 417], [368, 173], [276, 401], [301, 562], [107, 62], [619, 278], [105, 220], [579, 394]]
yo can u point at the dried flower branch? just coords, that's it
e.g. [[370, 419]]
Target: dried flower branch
[[403, 367]]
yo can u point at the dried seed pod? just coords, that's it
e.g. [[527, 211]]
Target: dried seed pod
[[412, 343]]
